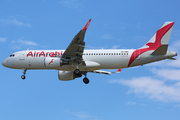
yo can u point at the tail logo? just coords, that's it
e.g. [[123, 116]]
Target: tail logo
[[152, 45]]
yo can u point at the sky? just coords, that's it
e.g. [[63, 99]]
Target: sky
[[148, 92]]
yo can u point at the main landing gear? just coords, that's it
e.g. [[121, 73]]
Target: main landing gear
[[23, 76], [86, 80], [79, 74]]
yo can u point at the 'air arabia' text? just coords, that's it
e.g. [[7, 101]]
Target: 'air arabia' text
[[42, 53]]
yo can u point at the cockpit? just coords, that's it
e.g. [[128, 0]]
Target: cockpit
[[12, 55]]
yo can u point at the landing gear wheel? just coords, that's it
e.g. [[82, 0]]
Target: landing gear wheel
[[86, 80], [23, 77], [77, 72]]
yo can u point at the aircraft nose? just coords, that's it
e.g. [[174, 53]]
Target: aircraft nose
[[5, 63]]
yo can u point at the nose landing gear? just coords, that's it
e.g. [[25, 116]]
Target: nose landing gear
[[23, 76]]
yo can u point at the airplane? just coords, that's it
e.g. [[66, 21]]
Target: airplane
[[75, 61]]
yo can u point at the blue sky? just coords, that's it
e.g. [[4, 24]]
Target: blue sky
[[143, 93]]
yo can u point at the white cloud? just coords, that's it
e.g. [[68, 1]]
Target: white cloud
[[175, 46], [166, 63], [96, 47], [115, 46], [123, 26], [107, 36], [142, 104], [139, 26], [152, 88], [25, 42], [168, 74], [71, 3], [84, 115], [131, 103], [139, 38], [3, 39], [19, 44], [177, 106], [14, 22]]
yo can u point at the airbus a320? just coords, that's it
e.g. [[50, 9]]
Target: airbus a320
[[75, 61]]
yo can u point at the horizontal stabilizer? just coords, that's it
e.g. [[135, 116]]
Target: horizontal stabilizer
[[161, 50], [171, 58]]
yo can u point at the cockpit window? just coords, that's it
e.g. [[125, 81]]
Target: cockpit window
[[12, 55]]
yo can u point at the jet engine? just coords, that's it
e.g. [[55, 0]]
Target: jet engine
[[52, 63], [67, 75]]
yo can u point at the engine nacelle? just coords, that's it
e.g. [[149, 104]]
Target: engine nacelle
[[52, 63], [67, 75]]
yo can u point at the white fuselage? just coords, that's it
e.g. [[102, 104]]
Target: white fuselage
[[75, 61], [94, 59]]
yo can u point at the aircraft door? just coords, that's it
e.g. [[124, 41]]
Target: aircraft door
[[22, 55]]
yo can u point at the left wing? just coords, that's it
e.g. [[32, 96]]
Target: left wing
[[106, 72], [75, 49]]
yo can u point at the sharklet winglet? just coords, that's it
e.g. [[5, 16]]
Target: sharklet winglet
[[87, 24]]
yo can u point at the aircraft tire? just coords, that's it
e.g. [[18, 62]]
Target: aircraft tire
[[77, 72], [23, 77], [86, 80]]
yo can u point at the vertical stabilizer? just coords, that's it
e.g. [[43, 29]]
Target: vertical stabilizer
[[160, 40], [158, 43]]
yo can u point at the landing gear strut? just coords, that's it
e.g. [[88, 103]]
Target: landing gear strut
[[85, 80], [23, 76]]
